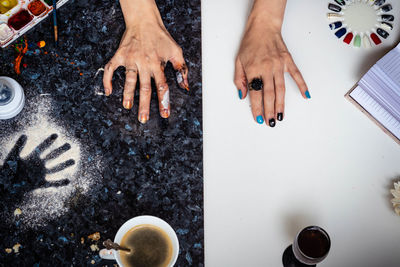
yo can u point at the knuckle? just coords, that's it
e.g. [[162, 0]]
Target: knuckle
[[155, 65], [108, 66], [287, 56], [128, 95], [130, 79], [178, 51], [296, 72], [145, 88], [162, 86], [238, 82], [280, 88], [269, 94]]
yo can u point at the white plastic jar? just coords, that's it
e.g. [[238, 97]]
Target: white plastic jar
[[12, 98]]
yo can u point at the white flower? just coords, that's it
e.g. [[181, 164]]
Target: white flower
[[396, 200]]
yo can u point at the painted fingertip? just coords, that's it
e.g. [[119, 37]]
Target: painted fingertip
[[187, 85], [272, 122], [260, 119], [143, 118], [128, 104], [240, 94], [165, 113], [307, 93], [279, 116], [181, 81]]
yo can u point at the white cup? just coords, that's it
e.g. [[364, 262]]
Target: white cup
[[145, 219], [12, 98]]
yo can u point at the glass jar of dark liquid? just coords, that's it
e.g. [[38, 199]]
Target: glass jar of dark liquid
[[311, 245]]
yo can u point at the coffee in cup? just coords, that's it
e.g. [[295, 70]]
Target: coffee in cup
[[149, 246], [151, 242]]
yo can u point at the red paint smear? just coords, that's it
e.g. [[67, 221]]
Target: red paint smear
[[348, 38], [375, 38], [36, 7], [18, 59], [20, 19]]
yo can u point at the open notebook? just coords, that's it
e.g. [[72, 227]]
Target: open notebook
[[377, 94]]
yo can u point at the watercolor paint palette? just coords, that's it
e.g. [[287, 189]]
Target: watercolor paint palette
[[19, 16], [361, 23]]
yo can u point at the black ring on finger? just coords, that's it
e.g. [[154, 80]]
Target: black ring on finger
[[256, 84]]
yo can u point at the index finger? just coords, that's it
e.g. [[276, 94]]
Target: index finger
[[109, 69], [178, 62], [297, 77], [16, 150]]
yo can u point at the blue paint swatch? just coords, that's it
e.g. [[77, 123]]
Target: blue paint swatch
[[335, 25], [340, 33]]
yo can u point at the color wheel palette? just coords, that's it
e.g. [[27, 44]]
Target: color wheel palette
[[19, 16], [361, 23]]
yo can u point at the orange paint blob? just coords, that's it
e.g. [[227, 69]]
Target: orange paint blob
[[36, 7], [41, 44]]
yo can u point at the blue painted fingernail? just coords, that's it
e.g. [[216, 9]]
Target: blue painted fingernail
[[307, 93], [260, 119], [240, 94]]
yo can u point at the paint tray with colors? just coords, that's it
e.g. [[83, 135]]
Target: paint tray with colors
[[19, 16]]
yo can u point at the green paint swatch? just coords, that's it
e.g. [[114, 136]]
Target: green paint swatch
[[357, 41]]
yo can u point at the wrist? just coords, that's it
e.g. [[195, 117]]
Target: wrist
[[140, 12], [267, 14], [264, 23]]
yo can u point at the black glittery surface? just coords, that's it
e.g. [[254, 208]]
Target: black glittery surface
[[157, 167]]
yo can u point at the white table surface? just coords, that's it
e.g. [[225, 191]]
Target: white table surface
[[327, 164]]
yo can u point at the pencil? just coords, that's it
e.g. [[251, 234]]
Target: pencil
[[55, 21]]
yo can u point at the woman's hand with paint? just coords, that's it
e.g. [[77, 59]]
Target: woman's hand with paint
[[144, 50], [262, 60]]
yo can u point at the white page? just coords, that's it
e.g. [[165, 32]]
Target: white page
[[382, 82], [376, 110]]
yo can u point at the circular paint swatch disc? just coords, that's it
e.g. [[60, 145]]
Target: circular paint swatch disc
[[360, 17], [361, 23]]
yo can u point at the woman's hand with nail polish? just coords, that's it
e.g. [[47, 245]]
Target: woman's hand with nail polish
[[262, 60], [144, 50]]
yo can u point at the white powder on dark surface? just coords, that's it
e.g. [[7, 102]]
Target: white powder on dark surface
[[44, 204]]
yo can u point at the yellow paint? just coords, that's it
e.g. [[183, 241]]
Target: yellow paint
[[41, 44], [6, 5]]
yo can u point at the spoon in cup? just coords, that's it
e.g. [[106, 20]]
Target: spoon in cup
[[111, 245]]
